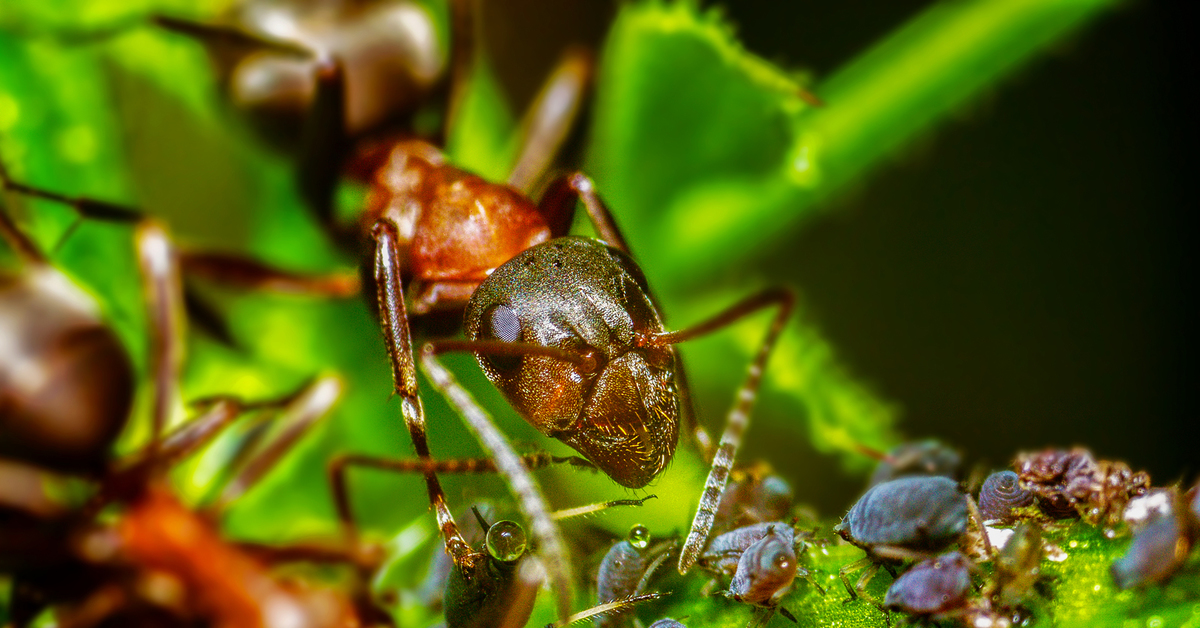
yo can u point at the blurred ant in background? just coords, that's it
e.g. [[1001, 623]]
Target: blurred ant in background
[[130, 552]]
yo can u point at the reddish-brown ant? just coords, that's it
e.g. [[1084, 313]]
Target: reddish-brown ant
[[61, 415]]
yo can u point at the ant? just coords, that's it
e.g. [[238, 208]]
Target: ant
[[65, 386]]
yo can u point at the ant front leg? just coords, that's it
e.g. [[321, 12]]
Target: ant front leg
[[508, 464], [739, 414], [393, 317]]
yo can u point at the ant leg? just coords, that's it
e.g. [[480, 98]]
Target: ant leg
[[609, 608], [303, 410], [324, 144], [739, 414], [580, 511], [462, 58], [550, 118], [560, 198], [529, 496], [244, 273], [394, 320], [164, 301]]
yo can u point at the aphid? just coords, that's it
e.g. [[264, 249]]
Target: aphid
[[1073, 483], [926, 457], [625, 571], [1000, 495], [761, 561], [933, 589], [1159, 549], [667, 622], [904, 519], [754, 494]]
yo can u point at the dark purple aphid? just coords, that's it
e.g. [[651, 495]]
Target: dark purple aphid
[[1001, 494], [1158, 550], [917, 513], [902, 519], [621, 573], [932, 588], [765, 571], [927, 457]]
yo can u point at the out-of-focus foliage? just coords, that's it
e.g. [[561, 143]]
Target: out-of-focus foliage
[[705, 153]]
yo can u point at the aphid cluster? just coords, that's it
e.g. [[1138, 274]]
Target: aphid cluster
[[566, 328]]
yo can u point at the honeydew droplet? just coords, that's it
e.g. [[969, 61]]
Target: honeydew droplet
[[639, 536]]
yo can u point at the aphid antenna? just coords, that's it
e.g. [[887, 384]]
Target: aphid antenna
[[591, 509], [605, 609]]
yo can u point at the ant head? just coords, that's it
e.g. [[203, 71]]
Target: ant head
[[615, 399]]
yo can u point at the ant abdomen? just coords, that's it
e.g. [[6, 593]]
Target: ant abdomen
[[57, 409]]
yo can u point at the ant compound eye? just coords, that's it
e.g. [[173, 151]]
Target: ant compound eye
[[506, 541], [639, 536], [500, 322]]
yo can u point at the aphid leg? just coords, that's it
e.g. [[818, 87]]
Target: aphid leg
[[324, 143], [508, 464], [550, 118], [303, 410], [848, 568], [394, 320], [739, 414], [988, 551]]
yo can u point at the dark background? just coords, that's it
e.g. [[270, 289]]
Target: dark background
[[1018, 279]]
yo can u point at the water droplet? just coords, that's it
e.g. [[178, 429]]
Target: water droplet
[[639, 536], [1096, 588], [1073, 544], [1154, 622], [505, 541]]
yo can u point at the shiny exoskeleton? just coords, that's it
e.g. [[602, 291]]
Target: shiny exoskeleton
[[619, 408]]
